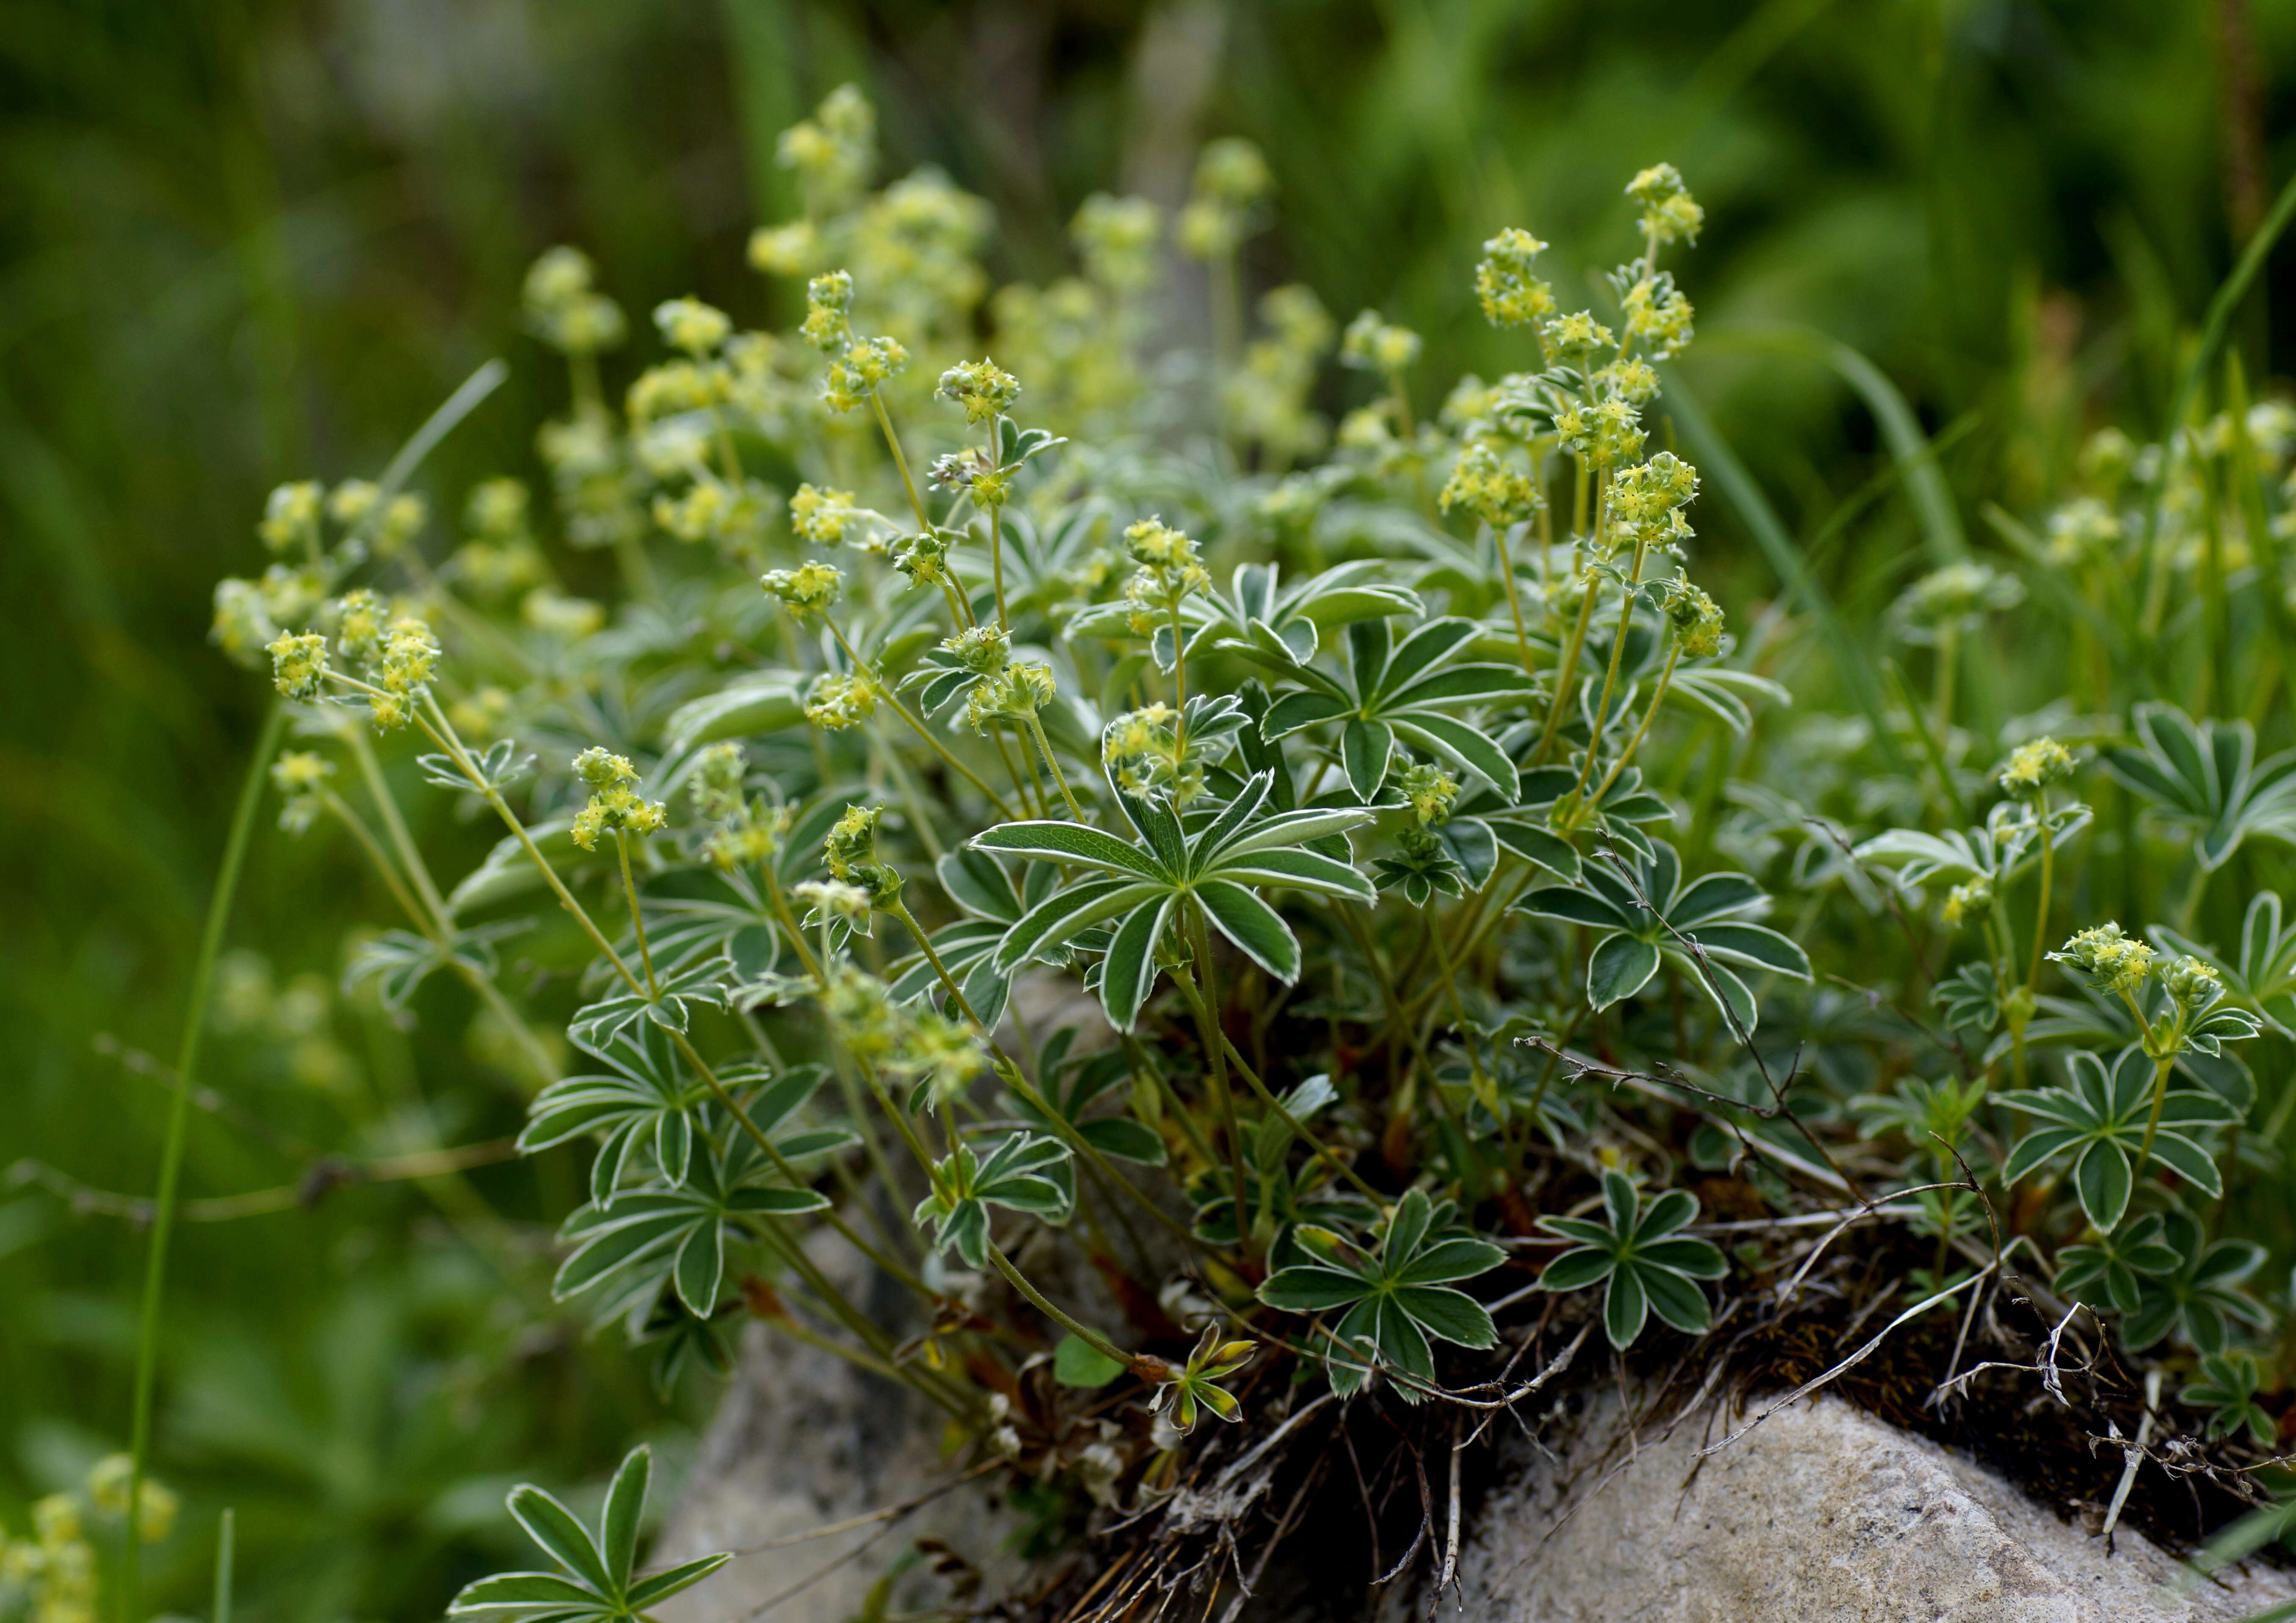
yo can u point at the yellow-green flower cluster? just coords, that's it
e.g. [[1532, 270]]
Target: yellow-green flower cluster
[[715, 509], [749, 830], [1168, 572], [1511, 291], [1647, 500], [2082, 528], [836, 704], [854, 376], [851, 852], [1668, 212], [1231, 178], [915, 245], [1143, 754], [301, 776], [564, 310], [810, 588], [1372, 343], [1967, 900], [1577, 335], [1482, 482], [1014, 694], [54, 1572], [2115, 962], [1952, 599], [402, 670], [2192, 982], [1266, 398], [821, 516], [616, 806], [1659, 315], [1116, 239], [556, 614], [1429, 790], [982, 387], [715, 787], [298, 664], [834, 153], [2032, 767], [692, 326], [671, 390], [1696, 619], [501, 557], [1602, 434], [290, 516]]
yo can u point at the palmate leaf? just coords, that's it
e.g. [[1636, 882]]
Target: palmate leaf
[[1027, 1172], [2204, 777], [400, 961], [642, 1097], [1417, 691], [1397, 1296], [1645, 914], [2099, 1121], [2200, 1298], [2263, 977], [1650, 1266], [666, 1006], [1141, 885], [595, 1581]]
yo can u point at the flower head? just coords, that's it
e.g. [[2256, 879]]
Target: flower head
[[615, 806], [290, 516], [2032, 767], [1116, 238], [1429, 790], [1967, 900], [1374, 344], [982, 387], [1483, 484], [298, 664], [851, 852], [836, 703], [1668, 211], [692, 326], [1696, 619], [1510, 291], [821, 516], [810, 588], [301, 777], [2116, 963]]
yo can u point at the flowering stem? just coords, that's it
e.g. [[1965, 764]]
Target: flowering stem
[[1208, 1026], [916, 727], [2041, 906], [2161, 1067], [1514, 598], [1610, 676], [996, 565], [893, 441], [1565, 671], [1090, 1337], [1045, 747], [638, 920], [1658, 698], [171, 1151]]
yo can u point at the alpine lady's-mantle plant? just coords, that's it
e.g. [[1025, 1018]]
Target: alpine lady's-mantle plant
[[1323, 889]]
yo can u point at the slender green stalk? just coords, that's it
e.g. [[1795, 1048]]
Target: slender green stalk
[[2161, 1067], [916, 725], [171, 1151], [997, 565], [1658, 697], [1037, 1299], [638, 916], [1045, 748], [1195, 986], [1515, 599], [226, 1531], [893, 443]]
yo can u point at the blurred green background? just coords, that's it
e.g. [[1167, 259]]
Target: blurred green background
[[244, 240]]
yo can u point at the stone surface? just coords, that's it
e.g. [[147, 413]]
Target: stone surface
[[1820, 1515], [804, 1440]]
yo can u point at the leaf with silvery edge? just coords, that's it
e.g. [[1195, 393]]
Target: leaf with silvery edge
[[499, 766], [2204, 778], [1396, 1295], [2106, 1270], [643, 1096], [1723, 694], [1016, 444], [1275, 625], [1643, 914], [1616, 811], [400, 961], [1416, 691], [1137, 886], [1997, 852], [654, 1236], [1022, 1174], [2201, 1298], [2264, 979], [1637, 1254], [666, 1006], [2098, 1121], [597, 1578]]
